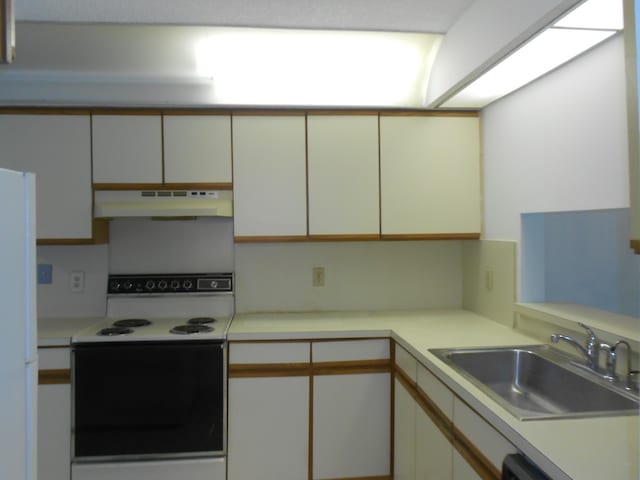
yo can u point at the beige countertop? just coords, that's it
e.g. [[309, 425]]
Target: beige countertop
[[575, 449], [57, 332]]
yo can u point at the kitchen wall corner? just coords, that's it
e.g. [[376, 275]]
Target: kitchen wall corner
[[489, 279]]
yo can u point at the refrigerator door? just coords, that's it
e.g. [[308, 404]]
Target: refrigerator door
[[18, 349]]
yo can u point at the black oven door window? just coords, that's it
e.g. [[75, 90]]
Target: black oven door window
[[148, 398]]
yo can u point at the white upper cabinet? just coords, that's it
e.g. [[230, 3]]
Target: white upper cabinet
[[127, 149], [269, 176], [57, 148], [344, 177], [430, 175], [197, 149]]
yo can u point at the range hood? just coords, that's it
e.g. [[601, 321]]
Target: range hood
[[162, 203]]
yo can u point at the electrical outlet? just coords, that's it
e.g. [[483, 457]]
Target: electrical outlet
[[77, 282], [317, 276], [488, 278], [45, 273]]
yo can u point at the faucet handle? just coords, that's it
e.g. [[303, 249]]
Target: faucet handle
[[592, 336]]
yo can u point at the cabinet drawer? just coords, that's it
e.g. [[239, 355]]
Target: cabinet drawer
[[276, 352], [349, 350], [436, 391], [406, 362], [54, 358], [481, 434]]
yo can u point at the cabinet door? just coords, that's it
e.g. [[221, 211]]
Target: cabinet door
[[434, 452], [404, 425], [268, 428], [430, 175], [127, 149], [54, 415], [268, 413], [197, 149], [343, 175], [489, 442], [462, 470], [269, 176], [57, 148], [404, 432], [351, 412]]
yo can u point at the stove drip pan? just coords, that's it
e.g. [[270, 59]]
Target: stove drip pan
[[201, 320], [191, 329], [114, 331], [132, 322]]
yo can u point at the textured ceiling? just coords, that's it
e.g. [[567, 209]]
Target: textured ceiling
[[429, 16]]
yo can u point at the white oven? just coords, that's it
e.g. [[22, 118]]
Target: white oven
[[149, 383]]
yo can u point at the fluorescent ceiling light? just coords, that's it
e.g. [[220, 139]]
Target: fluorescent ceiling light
[[584, 27], [595, 14], [312, 67]]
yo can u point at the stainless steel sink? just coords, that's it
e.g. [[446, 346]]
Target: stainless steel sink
[[539, 382]]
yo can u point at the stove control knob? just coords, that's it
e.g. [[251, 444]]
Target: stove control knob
[[162, 284], [175, 284], [128, 285], [114, 285], [187, 284], [150, 285]]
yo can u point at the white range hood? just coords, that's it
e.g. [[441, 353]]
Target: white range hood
[[162, 203]]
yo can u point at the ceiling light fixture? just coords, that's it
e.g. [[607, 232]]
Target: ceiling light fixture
[[581, 29]]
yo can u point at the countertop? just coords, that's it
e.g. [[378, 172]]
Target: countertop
[[57, 332], [577, 449]]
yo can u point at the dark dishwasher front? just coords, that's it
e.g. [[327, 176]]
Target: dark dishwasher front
[[517, 467], [141, 399]]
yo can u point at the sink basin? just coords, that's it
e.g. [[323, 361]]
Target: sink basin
[[538, 382]]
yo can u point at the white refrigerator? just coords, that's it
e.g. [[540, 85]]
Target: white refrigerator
[[18, 336]]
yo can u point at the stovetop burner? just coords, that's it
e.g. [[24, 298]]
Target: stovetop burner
[[132, 322], [114, 331], [191, 329], [201, 320]]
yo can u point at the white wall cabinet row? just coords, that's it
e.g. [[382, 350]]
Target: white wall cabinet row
[[309, 410], [356, 176], [436, 434], [295, 176]]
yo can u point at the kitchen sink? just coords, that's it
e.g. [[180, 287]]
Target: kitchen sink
[[539, 382]]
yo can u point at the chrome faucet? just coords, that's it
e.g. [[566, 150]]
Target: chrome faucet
[[612, 357], [590, 351]]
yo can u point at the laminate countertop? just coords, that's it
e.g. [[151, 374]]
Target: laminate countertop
[[578, 449]]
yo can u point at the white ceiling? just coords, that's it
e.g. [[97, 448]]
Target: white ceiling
[[428, 16]]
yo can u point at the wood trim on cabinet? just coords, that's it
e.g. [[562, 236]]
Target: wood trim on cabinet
[[54, 377], [163, 186], [476, 459], [381, 477], [355, 237], [430, 113], [337, 113], [635, 246], [259, 370], [431, 236], [351, 367], [270, 238], [268, 113]]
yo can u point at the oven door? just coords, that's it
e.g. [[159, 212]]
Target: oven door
[[147, 399]]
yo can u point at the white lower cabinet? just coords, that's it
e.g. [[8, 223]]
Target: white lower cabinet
[[449, 440], [351, 411], [291, 417], [268, 428], [201, 469], [268, 420], [433, 447], [404, 433], [54, 414]]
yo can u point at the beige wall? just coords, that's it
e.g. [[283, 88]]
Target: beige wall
[[358, 276]]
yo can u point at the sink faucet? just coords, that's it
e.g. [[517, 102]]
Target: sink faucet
[[590, 351], [612, 357]]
